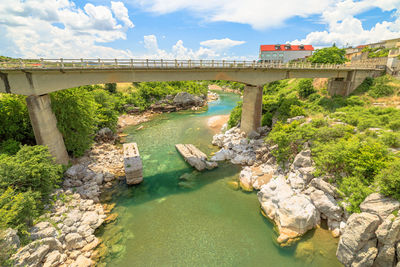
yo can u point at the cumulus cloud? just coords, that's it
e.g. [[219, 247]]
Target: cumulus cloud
[[221, 44], [260, 14], [209, 49], [57, 28], [343, 28]]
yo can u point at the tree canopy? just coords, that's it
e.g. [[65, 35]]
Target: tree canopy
[[330, 55]]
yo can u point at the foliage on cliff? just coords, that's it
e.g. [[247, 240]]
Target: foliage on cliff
[[26, 180], [352, 141]]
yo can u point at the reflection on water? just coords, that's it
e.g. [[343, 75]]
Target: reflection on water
[[199, 221]]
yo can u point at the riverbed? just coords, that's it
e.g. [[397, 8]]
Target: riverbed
[[200, 222]]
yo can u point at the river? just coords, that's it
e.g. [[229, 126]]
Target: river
[[201, 222]]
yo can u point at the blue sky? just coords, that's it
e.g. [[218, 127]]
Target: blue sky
[[231, 29]]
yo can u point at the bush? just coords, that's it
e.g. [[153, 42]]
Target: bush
[[364, 86], [14, 119], [306, 88], [18, 210], [32, 168], [10, 147], [106, 110], [75, 110], [235, 116], [110, 87], [355, 192], [351, 157], [389, 180], [381, 88]]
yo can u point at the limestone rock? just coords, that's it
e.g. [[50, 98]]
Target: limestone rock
[[388, 233], [9, 239], [303, 159], [360, 229], [74, 241], [293, 213], [245, 179], [366, 256], [192, 155], [42, 230], [211, 165], [223, 154], [105, 135], [290, 120], [386, 256], [52, 259], [380, 205], [324, 186], [33, 253], [82, 261], [326, 204]]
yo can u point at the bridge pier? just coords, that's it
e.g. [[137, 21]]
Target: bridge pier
[[251, 109], [44, 124]]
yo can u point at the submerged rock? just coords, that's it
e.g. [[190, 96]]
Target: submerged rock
[[195, 157]]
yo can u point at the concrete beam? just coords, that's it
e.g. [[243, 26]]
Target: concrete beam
[[44, 124], [40, 82], [251, 109]]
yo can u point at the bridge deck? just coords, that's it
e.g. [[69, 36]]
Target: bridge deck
[[145, 64]]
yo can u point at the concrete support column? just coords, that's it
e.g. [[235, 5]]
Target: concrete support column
[[251, 109], [44, 124]]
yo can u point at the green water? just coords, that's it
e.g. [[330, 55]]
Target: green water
[[201, 222]]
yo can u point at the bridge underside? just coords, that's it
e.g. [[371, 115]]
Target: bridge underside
[[39, 82]]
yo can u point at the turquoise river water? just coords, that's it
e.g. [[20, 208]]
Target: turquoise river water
[[202, 222]]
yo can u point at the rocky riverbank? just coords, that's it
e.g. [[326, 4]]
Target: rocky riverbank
[[65, 234], [296, 201], [170, 103]]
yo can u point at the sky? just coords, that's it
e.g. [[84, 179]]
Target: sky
[[187, 29]]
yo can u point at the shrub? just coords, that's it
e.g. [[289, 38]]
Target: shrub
[[380, 87], [296, 111], [18, 210], [75, 110], [14, 119], [10, 147], [364, 86], [106, 112], [389, 180], [306, 88], [351, 157], [32, 168], [110, 87], [391, 139], [355, 192], [266, 119], [235, 116]]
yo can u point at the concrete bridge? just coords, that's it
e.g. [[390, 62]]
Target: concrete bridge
[[37, 78]]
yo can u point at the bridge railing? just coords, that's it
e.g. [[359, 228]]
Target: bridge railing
[[166, 64]]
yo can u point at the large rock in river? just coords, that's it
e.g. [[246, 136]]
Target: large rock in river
[[185, 100], [293, 213]]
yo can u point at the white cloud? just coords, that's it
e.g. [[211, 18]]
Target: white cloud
[[345, 29], [57, 28], [221, 44], [260, 14]]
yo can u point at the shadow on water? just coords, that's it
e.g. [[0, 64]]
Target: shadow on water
[[164, 184]]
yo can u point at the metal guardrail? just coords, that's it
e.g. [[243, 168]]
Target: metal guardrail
[[167, 64]]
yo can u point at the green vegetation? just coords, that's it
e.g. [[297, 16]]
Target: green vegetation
[[330, 55], [26, 180], [351, 140], [376, 52]]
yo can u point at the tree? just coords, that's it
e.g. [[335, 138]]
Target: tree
[[111, 87], [330, 55]]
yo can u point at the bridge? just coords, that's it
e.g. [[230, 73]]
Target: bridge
[[36, 78]]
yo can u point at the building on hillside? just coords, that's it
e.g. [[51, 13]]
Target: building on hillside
[[354, 52], [392, 43], [284, 52]]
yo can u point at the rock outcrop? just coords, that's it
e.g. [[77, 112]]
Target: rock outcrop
[[186, 100], [294, 214], [359, 235]]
